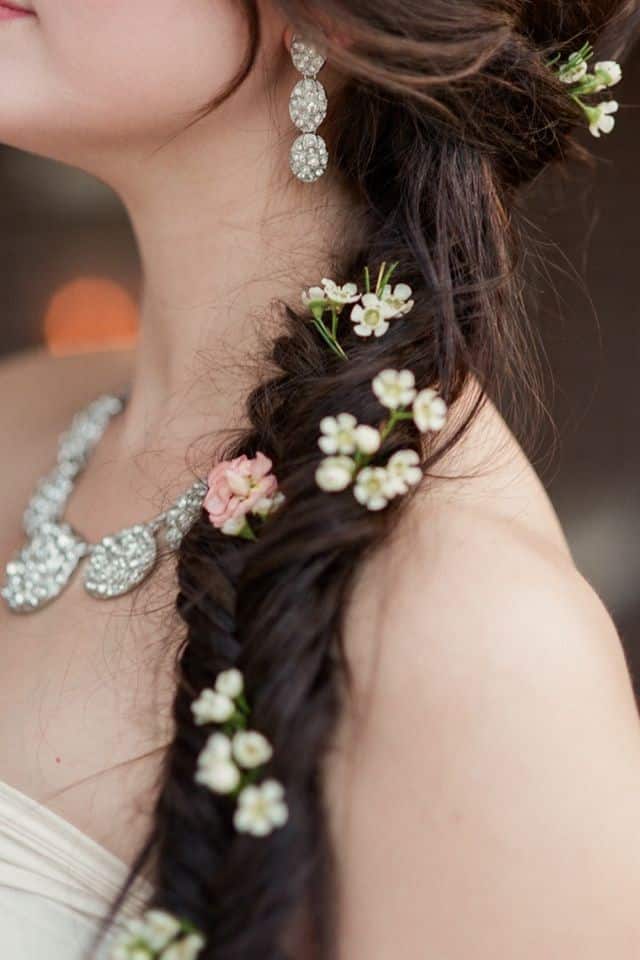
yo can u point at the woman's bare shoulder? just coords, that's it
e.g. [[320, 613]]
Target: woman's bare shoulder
[[478, 558], [488, 763]]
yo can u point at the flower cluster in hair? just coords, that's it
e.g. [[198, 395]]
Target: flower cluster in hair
[[575, 73], [372, 310], [158, 936], [244, 491], [351, 447], [233, 758], [241, 494]]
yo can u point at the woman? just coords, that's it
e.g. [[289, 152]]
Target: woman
[[436, 700]]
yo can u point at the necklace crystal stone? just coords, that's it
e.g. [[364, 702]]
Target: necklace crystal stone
[[118, 563]]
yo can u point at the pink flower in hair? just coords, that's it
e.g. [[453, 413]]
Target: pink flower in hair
[[237, 486]]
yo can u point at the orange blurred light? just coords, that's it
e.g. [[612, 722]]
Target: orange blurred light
[[90, 313]]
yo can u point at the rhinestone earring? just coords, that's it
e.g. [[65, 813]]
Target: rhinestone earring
[[308, 108]]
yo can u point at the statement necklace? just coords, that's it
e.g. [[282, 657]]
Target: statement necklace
[[116, 564]]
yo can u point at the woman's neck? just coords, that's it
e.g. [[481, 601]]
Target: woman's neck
[[219, 240]]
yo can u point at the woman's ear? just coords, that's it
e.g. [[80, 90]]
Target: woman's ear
[[287, 37]]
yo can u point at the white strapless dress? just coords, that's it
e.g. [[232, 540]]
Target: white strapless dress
[[56, 884]]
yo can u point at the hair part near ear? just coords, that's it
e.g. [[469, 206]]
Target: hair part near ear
[[448, 109]]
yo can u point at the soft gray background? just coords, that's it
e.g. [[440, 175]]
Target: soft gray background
[[56, 225]]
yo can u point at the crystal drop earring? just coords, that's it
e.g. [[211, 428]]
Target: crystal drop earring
[[308, 108]]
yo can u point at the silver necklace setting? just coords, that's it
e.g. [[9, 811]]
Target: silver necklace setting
[[116, 564]]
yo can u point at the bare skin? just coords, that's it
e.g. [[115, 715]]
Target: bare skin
[[483, 790], [489, 764]]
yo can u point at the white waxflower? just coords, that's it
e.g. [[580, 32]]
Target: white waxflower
[[133, 942], [367, 439], [233, 526], [251, 749], [335, 474], [429, 411], [608, 73], [217, 747], [600, 119], [574, 70], [212, 707], [261, 809], [342, 435], [329, 294], [338, 434], [371, 316], [394, 388], [136, 952], [371, 488], [403, 471], [268, 505], [186, 949], [314, 295], [398, 299], [220, 776], [120, 950], [215, 770], [230, 683], [122, 945], [338, 295], [160, 928]]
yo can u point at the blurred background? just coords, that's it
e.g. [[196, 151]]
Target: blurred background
[[69, 280]]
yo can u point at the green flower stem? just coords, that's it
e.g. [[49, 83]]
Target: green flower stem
[[396, 417], [587, 85], [241, 785], [362, 460], [591, 113], [334, 322], [247, 779], [235, 723], [386, 276], [367, 280], [584, 53], [141, 946], [381, 274], [576, 97], [239, 719], [247, 532], [242, 704], [329, 339]]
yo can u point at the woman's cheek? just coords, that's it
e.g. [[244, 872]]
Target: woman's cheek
[[97, 82], [129, 58]]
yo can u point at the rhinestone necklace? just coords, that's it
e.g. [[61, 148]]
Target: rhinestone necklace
[[117, 563]]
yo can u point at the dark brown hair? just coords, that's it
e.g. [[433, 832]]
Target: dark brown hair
[[448, 110]]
